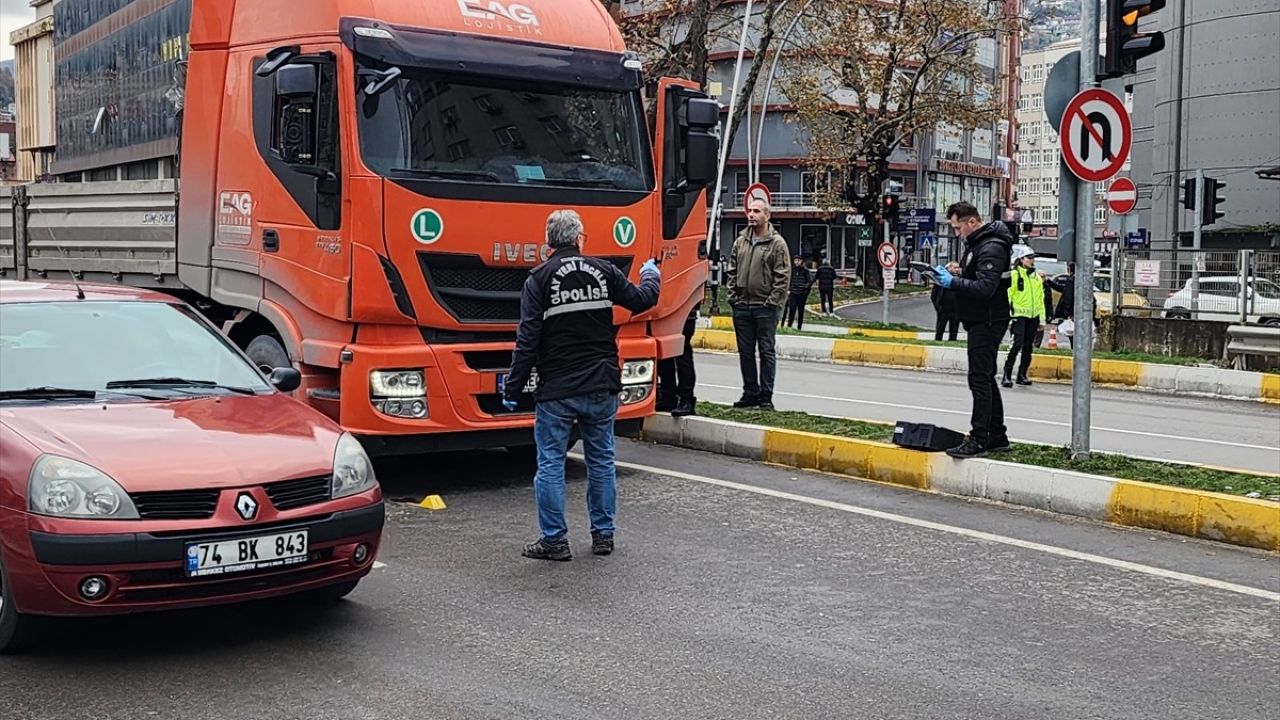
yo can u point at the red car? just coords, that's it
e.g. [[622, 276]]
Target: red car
[[147, 464]]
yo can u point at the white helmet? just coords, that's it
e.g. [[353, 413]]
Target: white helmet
[[1020, 251]]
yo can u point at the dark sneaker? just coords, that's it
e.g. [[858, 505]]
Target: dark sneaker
[[765, 403], [543, 550], [747, 401], [970, 449], [666, 403], [1007, 382], [685, 408], [1024, 381], [601, 545], [1000, 444]]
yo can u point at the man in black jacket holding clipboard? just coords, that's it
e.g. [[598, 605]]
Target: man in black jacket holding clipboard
[[982, 301]]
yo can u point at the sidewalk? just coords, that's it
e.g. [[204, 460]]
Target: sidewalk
[[1199, 381], [1194, 513]]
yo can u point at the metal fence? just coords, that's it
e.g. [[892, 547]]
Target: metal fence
[[1236, 286]]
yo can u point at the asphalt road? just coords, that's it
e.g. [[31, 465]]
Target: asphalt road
[[917, 310], [778, 595], [1216, 432]]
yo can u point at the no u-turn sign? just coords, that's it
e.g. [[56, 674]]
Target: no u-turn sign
[[1096, 135]]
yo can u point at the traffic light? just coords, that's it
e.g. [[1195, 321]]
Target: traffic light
[[889, 206], [1209, 203], [1125, 45], [1212, 188]]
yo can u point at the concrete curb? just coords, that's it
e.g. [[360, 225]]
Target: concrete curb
[[1205, 382], [1194, 513]]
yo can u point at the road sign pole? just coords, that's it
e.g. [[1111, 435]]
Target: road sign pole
[[885, 299], [1082, 347], [1198, 224]]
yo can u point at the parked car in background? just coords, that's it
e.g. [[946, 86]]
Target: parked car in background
[[1133, 303], [1220, 297], [147, 464]]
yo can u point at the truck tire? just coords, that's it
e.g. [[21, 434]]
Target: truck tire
[[268, 353], [16, 630]]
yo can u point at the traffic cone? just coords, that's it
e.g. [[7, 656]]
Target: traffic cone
[[1053, 337]]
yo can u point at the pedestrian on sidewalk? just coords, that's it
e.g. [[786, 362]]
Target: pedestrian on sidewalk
[[944, 303], [826, 278], [1026, 301], [676, 376], [798, 298], [982, 299], [758, 277], [566, 331]]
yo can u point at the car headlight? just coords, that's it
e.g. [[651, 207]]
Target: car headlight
[[637, 372], [352, 471], [62, 487]]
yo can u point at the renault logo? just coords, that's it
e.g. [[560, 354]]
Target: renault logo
[[247, 506]]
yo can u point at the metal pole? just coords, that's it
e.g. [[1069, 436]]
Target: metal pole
[[773, 70], [1082, 349], [1246, 298], [1196, 255], [714, 229], [885, 281]]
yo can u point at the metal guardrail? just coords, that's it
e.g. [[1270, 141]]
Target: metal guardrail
[[1251, 341]]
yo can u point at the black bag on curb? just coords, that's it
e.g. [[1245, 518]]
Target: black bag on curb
[[922, 436]]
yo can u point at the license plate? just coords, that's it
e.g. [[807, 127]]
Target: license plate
[[530, 387], [222, 557]]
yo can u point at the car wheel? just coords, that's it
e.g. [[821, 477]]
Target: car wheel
[[268, 353], [1271, 322], [15, 628], [1177, 315], [329, 595]]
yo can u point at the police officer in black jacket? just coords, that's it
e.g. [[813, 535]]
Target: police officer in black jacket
[[567, 332], [982, 300]]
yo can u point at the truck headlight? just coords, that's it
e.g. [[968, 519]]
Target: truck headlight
[[352, 471], [399, 393], [637, 372], [634, 394], [62, 487]]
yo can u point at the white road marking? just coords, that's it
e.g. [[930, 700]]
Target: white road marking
[[1035, 421], [378, 565], [963, 532]]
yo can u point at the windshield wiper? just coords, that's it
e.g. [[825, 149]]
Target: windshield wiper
[[178, 382], [48, 393], [575, 182], [445, 174]]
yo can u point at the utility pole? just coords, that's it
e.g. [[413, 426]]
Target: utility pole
[[1195, 244], [1082, 346]]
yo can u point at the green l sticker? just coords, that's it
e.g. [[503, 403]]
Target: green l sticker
[[624, 232], [427, 226]]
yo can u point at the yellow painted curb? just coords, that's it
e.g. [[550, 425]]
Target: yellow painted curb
[[883, 334], [879, 353], [1271, 388], [1196, 513], [847, 456], [720, 322], [1116, 372], [717, 340]]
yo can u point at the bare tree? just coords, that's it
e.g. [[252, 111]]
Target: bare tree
[[876, 74]]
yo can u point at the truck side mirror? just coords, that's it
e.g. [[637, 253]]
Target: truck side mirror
[[296, 87], [702, 142]]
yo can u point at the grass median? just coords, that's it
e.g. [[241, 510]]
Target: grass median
[[1058, 458]]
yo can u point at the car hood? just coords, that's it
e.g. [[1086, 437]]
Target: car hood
[[227, 441]]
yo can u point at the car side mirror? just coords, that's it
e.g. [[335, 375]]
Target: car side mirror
[[286, 379]]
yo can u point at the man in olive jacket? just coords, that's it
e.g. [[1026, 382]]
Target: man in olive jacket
[[758, 278]]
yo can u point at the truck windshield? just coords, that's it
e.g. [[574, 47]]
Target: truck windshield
[[465, 129]]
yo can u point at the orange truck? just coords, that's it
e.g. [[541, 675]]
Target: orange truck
[[363, 186]]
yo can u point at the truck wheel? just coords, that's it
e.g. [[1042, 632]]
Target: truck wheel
[[15, 628], [267, 353]]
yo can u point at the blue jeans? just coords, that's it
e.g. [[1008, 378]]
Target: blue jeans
[[757, 326], [553, 423]]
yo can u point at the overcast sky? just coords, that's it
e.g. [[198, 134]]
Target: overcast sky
[[13, 15]]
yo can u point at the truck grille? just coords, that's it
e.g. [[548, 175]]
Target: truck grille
[[176, 505], [473, 292], [299, 493]]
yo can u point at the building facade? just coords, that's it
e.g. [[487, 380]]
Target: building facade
[[34, 94], [1210, 101]]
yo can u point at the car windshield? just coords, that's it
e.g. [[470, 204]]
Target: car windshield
[[1267, 289], [1102, 283], [115, 347], [462, 129]]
